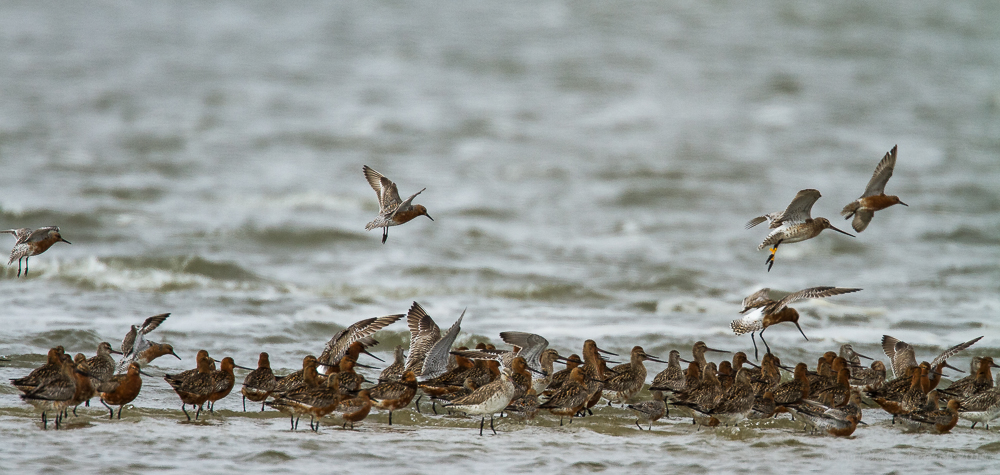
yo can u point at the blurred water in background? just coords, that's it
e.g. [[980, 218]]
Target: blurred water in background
[[589, 166]]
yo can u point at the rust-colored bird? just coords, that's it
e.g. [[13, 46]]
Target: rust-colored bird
[[874, 197], [393, 211], [32, 243]]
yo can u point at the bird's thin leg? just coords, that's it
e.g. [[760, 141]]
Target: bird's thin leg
[[765, 342], [770, 259], [112, 416], [385, 234], [26, 266], [754, 340]]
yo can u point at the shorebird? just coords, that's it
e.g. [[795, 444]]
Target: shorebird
[[56, 392], [223, 381], [737, 401], [392, 210], [32, 243], [548, 358], [488, 399], [194, 388], [980, 381], [424, 333], [122, 389], [524, 407], [135, 346], [354, 409], [308, 376], [671, 378], [766, 312], [526, 345], [832, 421], [902, 357], [561, 376], [257, 385], [943, 420], [435, 361], [794, 224], [394, 395], [874, 197], [570, 398], [648, 411], [51, 369], [348, 380], [628, 378], [84, 388], [869, 379], [698, 352], [102, 366], [315, 401], [360, 331], [395, 370]]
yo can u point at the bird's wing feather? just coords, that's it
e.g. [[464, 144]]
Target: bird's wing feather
[[883, 171]]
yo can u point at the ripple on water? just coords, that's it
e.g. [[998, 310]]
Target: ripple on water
[[66, 338], [268, 457]]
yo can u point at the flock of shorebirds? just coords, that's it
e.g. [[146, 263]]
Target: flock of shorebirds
[[522, 381]]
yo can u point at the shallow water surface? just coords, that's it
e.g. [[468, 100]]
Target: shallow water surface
[[589, 168]]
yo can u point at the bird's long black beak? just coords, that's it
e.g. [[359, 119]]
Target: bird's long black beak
[[800, 331], [841, 231], [607, 352], [946, 365], [653, 358], [904, 204], [65, 241], [373, 356]]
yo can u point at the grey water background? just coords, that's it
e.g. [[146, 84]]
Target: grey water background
[[589, 166]]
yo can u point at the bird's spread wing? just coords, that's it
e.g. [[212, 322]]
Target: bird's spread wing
[[531, 345], [390, 195], [152, 322], [20, 234], [337, 346], [800, 209], [38, 234], [756, 299], [882, 173], [374, 179], [889, 346], [436, 362], [811, 293], [418, 321], [953, 351]]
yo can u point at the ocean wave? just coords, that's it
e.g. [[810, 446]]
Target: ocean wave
[[155, 273], [295, 236]]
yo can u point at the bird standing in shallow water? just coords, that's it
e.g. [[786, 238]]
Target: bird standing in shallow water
[[874, 197], [794, 224], [32, 243], [392, 210]]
